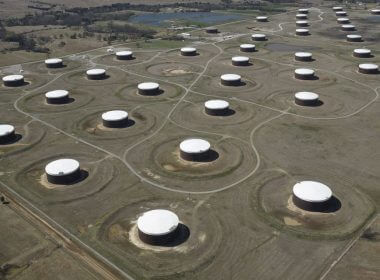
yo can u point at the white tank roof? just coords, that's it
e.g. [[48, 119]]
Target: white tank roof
[[301, 16], [157, 222], [148, 86], [188, 49], [303, 54], [304, 71], [362, 51], [240, 59], [53, 60], [261, 17], [368, 66], [124, 53], [247, 46], [13, 78], [96, 71], [341, 13], [194, 146], [216, 104], [302, 30], [258, 35], [57, 93], [337, 8], [344, 19], [6, 129], [62, 167], [230, 77], [354, 36], [306, 96], [311, 191], [303, 10], [375, 10], [115, 115], [302, 22]]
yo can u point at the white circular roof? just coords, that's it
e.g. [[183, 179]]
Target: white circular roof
[[13, 78], [343, 19], [368, 66], [306, 96], [362, 51], [302, 22], [216, 104], [62, 167], [375, 11], [302, 30], [157, 222], [354, 36], [194, 146], [53, 60], [57, 93], [240, 59], [258, 36], [188, 49], [342, 13], [124, 53], [312, 191], [230, 77], [148, 86], [348, 26], [304, 71], [6, 129], [301, 15], [261, 17], [337, 8], [115, 115], [247, 46], [303, 10], [96, 71], [303, 54]]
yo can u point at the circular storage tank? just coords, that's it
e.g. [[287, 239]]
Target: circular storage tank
[[54, 63], [7, 133], [247, 48], [311, 196], [368, 68], [341, 14], [13, 80], [303, 11], [158, 227], [262, 19], [63, 171], [302, 23], [348, 27], [57, 96], [354, 38], [240, 61], [195, 149], [124, 55], [115, 119], [337, 9], [304, 74], [343, 20], [301, 16], [217, 107], [303, 56], [362, 53], [375, 11], [212, 30], [302, 32], [230, 79], [148, 88], [96, 74], [188, 51], [259, 37], [304, 98]]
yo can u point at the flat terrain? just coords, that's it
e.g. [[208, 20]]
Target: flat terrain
[[238, 208]]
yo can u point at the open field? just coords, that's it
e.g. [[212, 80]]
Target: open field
[[238, 207]]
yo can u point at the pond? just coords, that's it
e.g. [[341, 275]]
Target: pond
[[164, 19]]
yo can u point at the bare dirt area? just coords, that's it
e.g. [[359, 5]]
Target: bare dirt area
[[236, 213]]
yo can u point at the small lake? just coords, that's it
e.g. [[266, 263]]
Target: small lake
[[163, 19]]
